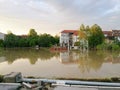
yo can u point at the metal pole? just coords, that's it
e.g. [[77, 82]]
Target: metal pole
[[74, 82]]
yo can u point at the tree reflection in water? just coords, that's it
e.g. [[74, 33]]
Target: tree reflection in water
[[32, 54], [92, 60], [86, 61]]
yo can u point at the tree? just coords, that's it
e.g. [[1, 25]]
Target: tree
[[32, 32], [83, 36], [96, 36], [56, 39], [30, 40], [11, 40], [1, 43], [82, 33]]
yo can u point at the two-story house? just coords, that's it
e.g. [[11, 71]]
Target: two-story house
[[68, 38]]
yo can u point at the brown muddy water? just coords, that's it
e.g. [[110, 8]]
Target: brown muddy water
[[70, 64]]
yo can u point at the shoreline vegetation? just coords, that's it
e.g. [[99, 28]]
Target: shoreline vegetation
[[46, 41], [31, 40], [94, 36]]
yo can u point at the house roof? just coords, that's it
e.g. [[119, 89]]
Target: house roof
[[116, 32], [108, 33], [75, 32]]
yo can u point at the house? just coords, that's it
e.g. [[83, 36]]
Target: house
[[116, 34], [2, 36], [68, 38], [111, 35], [108, 36]]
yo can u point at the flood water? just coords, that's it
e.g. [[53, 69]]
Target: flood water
[[72, 64]]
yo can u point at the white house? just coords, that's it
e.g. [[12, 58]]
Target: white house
[[68, 38], [2, 35], [116, 34]]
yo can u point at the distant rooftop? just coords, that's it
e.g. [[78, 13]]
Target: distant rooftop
[[107, 33], [75, 32]]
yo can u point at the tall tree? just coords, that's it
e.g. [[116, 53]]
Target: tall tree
[[82, 33], [32, 32], [96, 36], [83, 37], [82, 27]]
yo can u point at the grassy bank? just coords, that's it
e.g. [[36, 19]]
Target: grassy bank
[[112, 79]]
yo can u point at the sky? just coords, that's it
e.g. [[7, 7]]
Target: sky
[[53, 16]]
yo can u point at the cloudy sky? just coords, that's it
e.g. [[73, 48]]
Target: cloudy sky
[[53, 16]]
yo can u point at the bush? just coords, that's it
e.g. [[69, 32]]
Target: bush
[[102, 46], [105, 46], [77, 44], [115, 47]]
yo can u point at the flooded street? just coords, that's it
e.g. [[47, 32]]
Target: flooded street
[[72, 64]]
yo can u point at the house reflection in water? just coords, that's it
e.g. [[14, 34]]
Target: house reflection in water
[[75, 57], [68, 57], [87, 61]]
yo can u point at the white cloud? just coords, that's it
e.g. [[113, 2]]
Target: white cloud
[[41, 7], [60, 14], [114, 9]]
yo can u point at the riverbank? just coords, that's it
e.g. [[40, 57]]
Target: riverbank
[[111, 79]]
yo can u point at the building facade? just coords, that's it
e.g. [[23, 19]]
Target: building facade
[[68, 38], [116, 34], [2, 36], [111, 35]]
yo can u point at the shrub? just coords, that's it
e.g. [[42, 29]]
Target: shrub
[[115, 47], [102, 46], [77, 44]]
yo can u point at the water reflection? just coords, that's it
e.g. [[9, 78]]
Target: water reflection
[[92, 60], [10, 55], [73, 64]]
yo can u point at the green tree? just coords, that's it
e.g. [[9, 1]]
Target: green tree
[[32, 32], [1, 43], [96, 36], [82, 32], [56, 39], [30, 40], [33, 37], [11, 40]]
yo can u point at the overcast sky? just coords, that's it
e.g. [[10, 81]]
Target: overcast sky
[[53, 16]]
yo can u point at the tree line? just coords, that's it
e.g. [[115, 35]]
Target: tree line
[[96, 39], [30, 40]]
